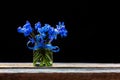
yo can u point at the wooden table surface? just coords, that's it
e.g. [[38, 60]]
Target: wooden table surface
[[63, 65], [60, 71], [60, 68]]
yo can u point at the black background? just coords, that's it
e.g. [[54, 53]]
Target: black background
[[82, 44]]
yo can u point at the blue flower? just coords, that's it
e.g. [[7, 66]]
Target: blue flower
[[52, 34], [26, 30], [37, 25], [60, 24], [45, 35], [61, 29], [42, 32], [63, 32], [46, 27]]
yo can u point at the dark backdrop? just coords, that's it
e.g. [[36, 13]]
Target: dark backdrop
[[82, 44]]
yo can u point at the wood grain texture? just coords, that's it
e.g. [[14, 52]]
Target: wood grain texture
[[62, 76], [60, 71]]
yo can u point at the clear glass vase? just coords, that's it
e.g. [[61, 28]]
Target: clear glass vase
[[42, 58]]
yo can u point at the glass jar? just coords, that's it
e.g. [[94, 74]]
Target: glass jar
[[42, 57]]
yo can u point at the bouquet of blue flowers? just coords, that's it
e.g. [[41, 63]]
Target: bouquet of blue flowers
[[40, 41]]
